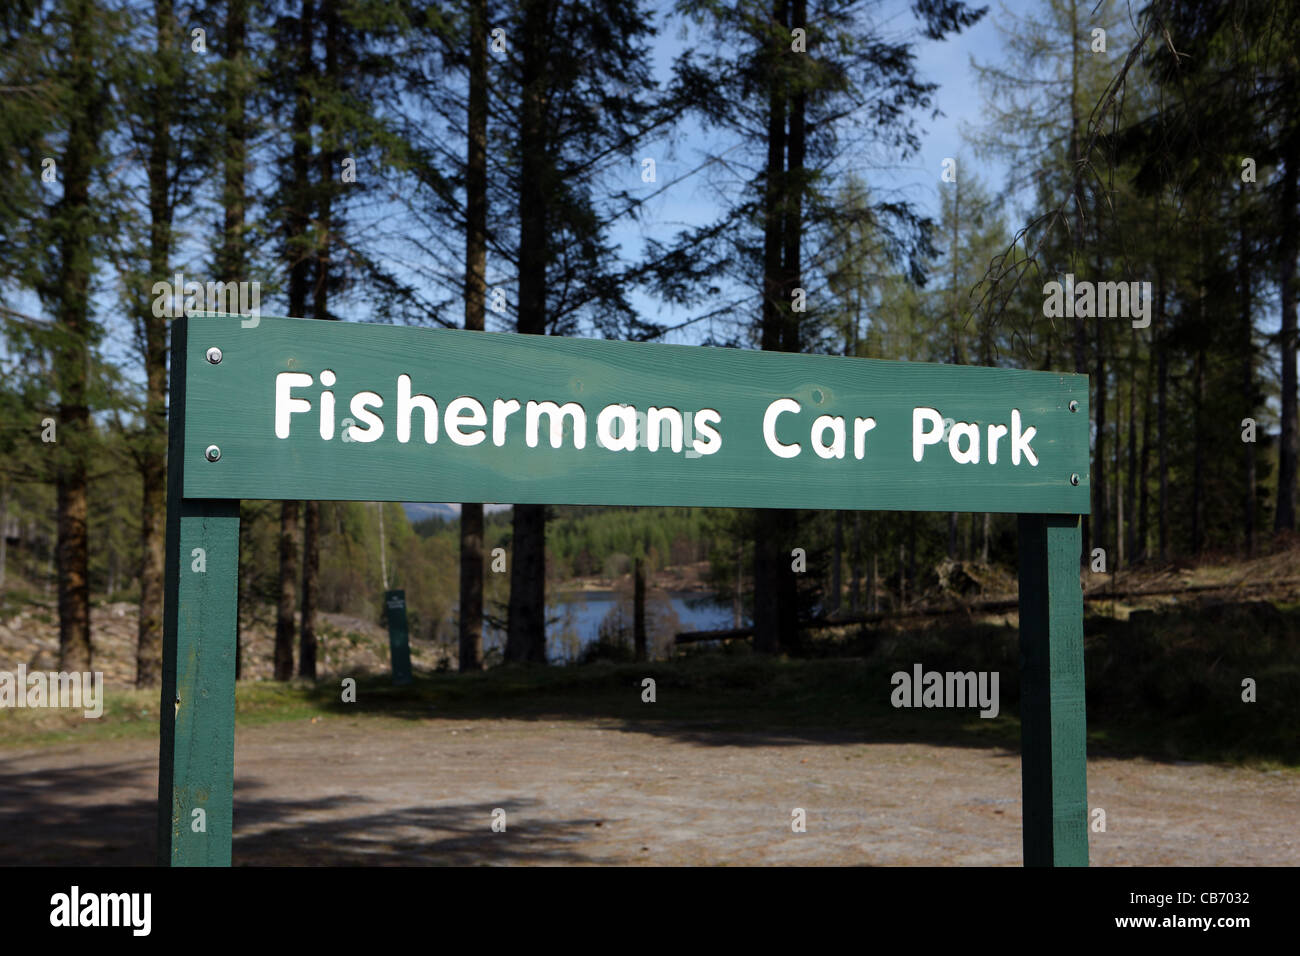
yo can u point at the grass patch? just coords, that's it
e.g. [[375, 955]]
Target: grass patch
[[732, 693], [1164, 686]]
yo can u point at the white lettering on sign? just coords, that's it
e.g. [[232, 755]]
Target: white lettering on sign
[[556, 414], [625, 416], [501, 410], [360, 408], [964, 438], [922, 437], [619, 427], [712, 440], [462, 413], [285, 405], [780, 407], [407, 403], [655, 417]]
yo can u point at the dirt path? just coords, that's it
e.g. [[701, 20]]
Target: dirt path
[[345, 791]]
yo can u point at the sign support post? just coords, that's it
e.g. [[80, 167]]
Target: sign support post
[[1053, 760], [196, 759]]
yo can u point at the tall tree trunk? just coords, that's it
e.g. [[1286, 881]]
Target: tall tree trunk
[[471, 587], [638, 608], [954, 324], [911, 554], [986, 357], [837, 583], [300, 262], [1130, 540], [736, 600], [856, 565], [72, 349], [770, 570], [794, 186], [1198, 401], [153, 451], [4, 531], [1245, 296], [231, 253], [1076, 239], [471, 513], [902, 576], [1162, 425], [1284, 519], [873, 574], [310, 588], [1143, 515], [767, 631], [792, 339], [1100, 489], [328, 163], [231, 258], [526, 629], [1198, 452], [1117, 464], [284, 619], [239, 599]]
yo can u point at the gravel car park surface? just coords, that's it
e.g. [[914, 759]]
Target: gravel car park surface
[[344, 791]]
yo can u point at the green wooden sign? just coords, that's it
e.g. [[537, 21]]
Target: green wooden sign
[[297, 409], [302, 409], [399, 641]]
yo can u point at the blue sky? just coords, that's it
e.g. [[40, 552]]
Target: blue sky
[[692, 202], [916, 179]]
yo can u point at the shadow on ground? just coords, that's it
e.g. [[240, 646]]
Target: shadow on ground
[[40, 826]]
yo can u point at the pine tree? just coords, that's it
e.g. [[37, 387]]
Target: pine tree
[[471, 513], [800, 75], [60, 263], [294, 70], [164, 111]]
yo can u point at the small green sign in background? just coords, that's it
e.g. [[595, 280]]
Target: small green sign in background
[[399, 640]]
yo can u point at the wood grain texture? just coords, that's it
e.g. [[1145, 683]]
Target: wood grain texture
[[197, 705], [231, 405], [1053, 756]]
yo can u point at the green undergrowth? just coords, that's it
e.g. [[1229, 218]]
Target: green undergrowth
[[1164, 686]]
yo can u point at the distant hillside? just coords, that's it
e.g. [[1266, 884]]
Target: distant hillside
[[422, 510]]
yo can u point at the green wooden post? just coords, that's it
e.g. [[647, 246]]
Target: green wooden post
[[1053, 761], [196, 762], [399, 638]]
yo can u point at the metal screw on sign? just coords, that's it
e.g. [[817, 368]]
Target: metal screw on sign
[[1074, 406], [214, 355], [1074, 479], [214, 453]]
